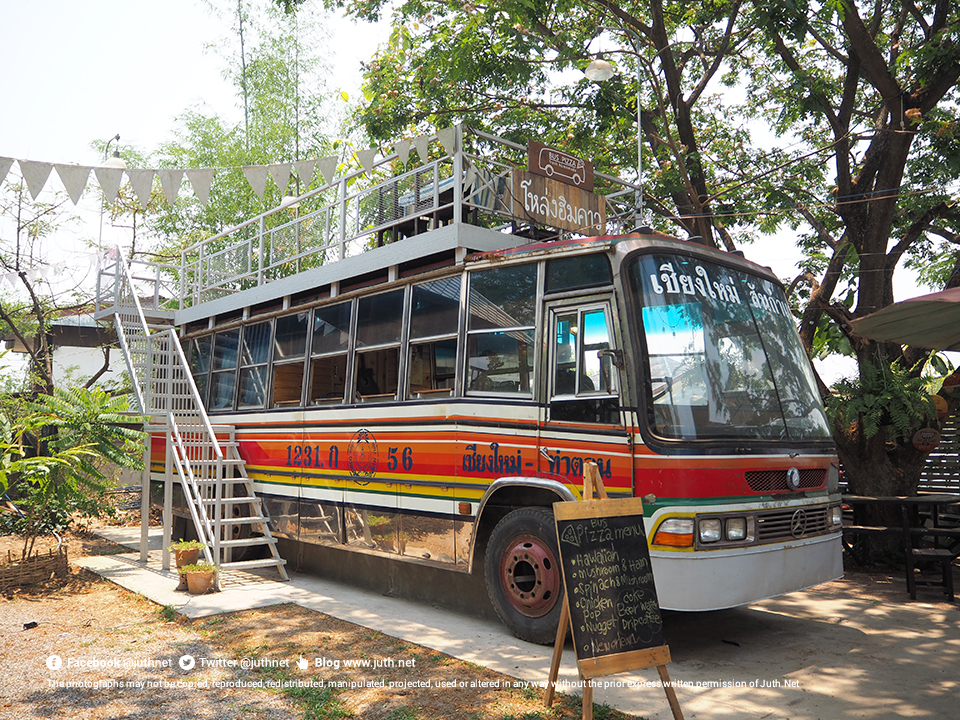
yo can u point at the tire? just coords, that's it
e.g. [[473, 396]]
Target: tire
[[523, 576]]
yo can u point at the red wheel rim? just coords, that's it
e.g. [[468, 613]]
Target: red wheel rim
[[529, 576]]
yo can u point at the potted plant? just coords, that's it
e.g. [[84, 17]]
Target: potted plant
[[186, 553], [199, 577]]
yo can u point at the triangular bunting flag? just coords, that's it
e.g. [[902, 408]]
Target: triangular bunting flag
[[304, 170], [11, 278], [109, 179], [33, 274], [402, 149], [422, 145], [448, 138], [200, 179], [170, 180], [256, 175], [281, 176], [142, 183], [74, 179], [366, 159], [36, 174], [328, 168], [5, 164]]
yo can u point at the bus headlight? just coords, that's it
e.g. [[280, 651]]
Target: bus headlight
[[833, 479], [675, 532], [736, 528], [836, 515], [710, 530]]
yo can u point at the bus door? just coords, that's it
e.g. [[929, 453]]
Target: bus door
[[583, 414]]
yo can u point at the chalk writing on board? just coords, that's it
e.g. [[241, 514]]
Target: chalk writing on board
[[610, 584]]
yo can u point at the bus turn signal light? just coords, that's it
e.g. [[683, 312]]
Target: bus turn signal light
[[675, 532]]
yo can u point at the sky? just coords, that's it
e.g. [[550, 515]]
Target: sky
[[75, 72]]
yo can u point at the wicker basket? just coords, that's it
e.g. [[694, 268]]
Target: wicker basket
[[17, 572]]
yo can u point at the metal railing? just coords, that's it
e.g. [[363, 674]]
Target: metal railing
[[363, 210]]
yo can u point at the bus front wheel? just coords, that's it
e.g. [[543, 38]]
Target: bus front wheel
[[522, 574]]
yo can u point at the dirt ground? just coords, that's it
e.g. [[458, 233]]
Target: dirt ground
[[121, 656]]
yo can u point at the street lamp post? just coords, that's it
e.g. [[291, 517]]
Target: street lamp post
[[114, 161], [599, 70]]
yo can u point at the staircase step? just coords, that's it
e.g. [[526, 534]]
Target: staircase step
[[245, 564], [248, 542], [249, 520], [225, 501]]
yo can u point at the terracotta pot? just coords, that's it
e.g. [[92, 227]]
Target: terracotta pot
[[186, 557], [199, 582]]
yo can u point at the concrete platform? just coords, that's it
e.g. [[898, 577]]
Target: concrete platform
[[809, 655]]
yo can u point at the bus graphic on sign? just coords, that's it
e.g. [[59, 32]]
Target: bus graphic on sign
[[560, 166]]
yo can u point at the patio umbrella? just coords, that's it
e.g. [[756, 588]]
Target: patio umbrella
[[928, 321]]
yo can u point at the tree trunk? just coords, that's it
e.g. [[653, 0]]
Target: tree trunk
[[879, 467]]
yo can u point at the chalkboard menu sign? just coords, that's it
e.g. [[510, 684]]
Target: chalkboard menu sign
[[610, 589]]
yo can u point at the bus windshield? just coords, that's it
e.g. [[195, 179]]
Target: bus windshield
[[724, 358]]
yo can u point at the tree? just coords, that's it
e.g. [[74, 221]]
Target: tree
[[287, 116], [54, 454], [845, 132], [26, 315]]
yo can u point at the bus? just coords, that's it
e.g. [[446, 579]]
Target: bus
[[427, 396], [436, 418]]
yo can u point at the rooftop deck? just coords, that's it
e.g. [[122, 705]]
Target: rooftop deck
[[394, 213]]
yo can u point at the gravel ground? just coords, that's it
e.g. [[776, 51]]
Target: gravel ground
[[120, 656], [84, 622]]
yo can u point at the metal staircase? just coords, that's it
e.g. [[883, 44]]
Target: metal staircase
[[227, 514]]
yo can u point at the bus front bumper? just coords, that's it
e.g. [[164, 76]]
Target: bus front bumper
[[717, 579]]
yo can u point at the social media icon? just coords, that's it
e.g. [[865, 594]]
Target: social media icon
[[302, 663], [187, 662], [54, 662]]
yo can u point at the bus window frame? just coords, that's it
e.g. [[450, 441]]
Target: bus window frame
[[532, 348], [303, 361], [346, 354], [410, 342], [264, 367], [554, 310], [224, 371], [357, 351]]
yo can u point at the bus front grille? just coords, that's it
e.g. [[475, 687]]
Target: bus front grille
[[791, 523], [776, 480]]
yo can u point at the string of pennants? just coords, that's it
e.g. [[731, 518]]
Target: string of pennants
[[78, 262], [76, 177]]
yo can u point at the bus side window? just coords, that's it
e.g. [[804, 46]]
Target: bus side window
[[377, 370], [433, 368], [254, 356], [500, 333], [328, 364], [584, 382], [434, 320], [198, 359], [223, 376], [289, 348]]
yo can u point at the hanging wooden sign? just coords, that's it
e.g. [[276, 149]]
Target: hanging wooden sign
[[547, 202]]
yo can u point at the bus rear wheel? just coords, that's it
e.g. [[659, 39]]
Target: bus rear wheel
[[522, 573]]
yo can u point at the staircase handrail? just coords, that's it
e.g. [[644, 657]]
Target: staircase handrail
[[194, 391], [191, 489]]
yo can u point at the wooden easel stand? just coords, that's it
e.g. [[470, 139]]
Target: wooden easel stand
[[598, 667]]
